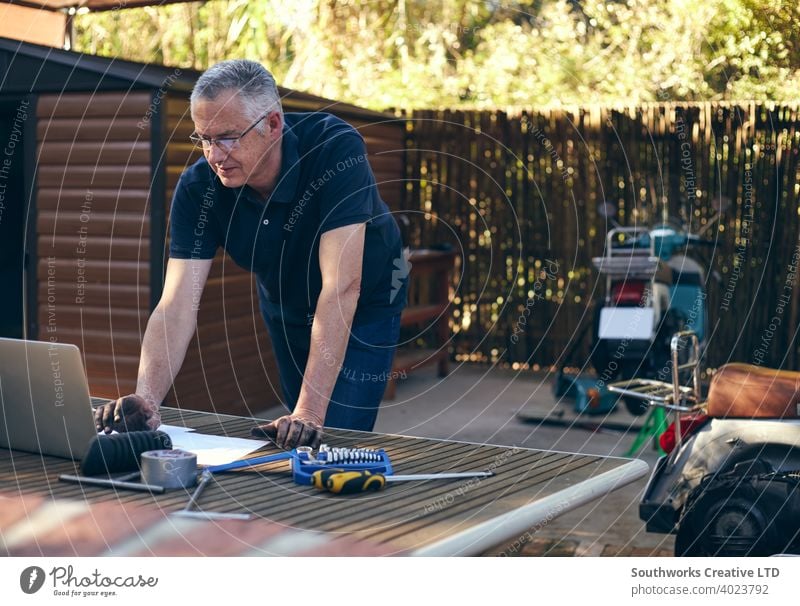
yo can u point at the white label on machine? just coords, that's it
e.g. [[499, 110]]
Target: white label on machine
[[626, 323]]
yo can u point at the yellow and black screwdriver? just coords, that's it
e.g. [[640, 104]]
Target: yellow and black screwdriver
[[343, 481]]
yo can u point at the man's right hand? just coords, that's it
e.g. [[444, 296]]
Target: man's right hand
[[128, 413], [291, 431]]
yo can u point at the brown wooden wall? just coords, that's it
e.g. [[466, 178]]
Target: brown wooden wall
[[93, 230]]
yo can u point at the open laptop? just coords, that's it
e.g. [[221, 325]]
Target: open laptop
[[44, 399]]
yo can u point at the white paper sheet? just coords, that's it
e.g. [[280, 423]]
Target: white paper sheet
[[171, 430], [214, 450], [210, 450]]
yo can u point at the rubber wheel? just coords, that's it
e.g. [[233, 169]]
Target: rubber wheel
[[733, 529], [740, 516]]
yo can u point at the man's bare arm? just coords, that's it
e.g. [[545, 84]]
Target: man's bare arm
[[166, 339], [171, 327], [341, 254]]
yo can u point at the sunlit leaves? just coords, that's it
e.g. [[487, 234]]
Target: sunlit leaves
[[463, 53]]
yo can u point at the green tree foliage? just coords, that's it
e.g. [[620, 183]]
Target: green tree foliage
[[470, 54]]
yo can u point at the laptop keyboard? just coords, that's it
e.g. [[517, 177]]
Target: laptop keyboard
[[99, 401]]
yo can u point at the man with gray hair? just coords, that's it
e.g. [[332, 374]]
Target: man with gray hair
[[290, 197]]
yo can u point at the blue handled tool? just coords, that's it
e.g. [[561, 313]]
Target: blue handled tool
[[304, 462], [282, 456]]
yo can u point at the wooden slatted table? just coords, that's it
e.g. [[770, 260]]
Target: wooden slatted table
[[460, 517]]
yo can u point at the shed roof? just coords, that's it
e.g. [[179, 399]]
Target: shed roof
[[92, 5], [33, 68]]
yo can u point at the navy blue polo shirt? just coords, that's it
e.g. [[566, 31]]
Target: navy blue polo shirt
[[325, 182]]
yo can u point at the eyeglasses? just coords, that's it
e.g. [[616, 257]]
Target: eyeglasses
[[225, 144]]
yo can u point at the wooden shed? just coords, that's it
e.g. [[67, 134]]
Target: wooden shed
[[93, 148]]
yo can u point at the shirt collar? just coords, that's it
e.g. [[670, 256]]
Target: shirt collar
[[286, 186]]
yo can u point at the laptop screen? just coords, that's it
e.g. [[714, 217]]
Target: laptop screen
[[44, 399]]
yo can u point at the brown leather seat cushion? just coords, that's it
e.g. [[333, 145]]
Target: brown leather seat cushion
[[747, 391]]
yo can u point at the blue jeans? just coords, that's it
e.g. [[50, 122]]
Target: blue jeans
[[362, 379]]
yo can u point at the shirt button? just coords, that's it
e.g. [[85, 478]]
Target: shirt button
[[266, 221]]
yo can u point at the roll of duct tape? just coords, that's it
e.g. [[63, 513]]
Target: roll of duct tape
[[169, 468]]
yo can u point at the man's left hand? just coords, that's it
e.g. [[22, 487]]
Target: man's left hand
[[291, 431]]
